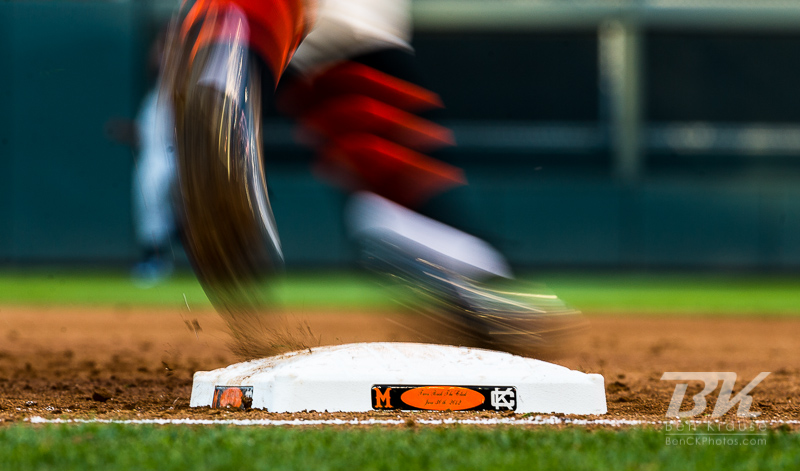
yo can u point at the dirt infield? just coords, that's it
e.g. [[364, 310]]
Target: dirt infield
[[123, 363]]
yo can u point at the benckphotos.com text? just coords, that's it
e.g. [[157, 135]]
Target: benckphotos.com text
[[715, 440], [716, 434]]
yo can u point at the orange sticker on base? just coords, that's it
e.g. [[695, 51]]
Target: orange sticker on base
[[442, 398]]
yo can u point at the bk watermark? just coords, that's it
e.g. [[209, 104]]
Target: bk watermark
[[744, 433], [725, 399]]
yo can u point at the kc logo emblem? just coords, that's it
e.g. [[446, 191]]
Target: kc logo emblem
[[503, 398], [711, 380]]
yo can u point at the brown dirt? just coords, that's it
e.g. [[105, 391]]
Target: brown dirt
[[117, 363]]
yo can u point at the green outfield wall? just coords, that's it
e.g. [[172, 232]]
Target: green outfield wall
[[720, 154]]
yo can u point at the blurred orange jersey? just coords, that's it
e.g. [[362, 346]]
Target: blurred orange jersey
[[366, 123], [273, 28]]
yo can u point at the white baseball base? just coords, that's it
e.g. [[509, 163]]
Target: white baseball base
[[400, 376]]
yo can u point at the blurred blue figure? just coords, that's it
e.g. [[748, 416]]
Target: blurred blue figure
[[153, 178]]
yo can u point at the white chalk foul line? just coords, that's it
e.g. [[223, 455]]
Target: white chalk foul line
[[537, 420]]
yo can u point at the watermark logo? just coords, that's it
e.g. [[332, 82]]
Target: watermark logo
[[736, 433], [711, 380]]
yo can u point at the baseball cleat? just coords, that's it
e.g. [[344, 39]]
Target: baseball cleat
[[459, 282], [471, 312]]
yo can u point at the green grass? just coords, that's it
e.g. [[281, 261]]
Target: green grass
[[117, 289], [458, 448], [713, 294], [592, 293]]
